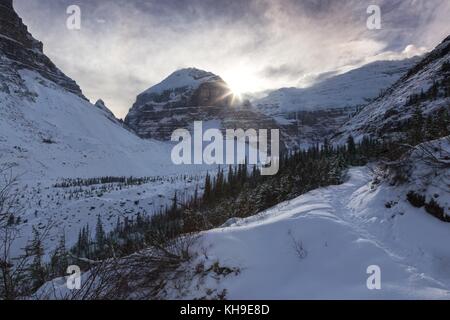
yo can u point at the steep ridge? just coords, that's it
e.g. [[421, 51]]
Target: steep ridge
[[25, 52], [425, 89]]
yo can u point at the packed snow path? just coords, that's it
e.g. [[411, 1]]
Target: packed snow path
[[342, 230]]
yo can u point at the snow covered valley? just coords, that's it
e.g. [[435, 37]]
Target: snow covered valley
[[321, 245], [63, 207]]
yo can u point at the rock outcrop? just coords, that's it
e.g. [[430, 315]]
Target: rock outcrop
[[24, 52]]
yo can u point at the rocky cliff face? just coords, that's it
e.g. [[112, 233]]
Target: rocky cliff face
[[19, 50], [190, 95]]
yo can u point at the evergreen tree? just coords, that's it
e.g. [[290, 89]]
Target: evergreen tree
[[351, 148], [337, 166], [100, 237], [443, 122], [195, 198], [431, 130], [59, 259], [208, 188], [218, 189], [417, 124], [174, 202], [37, 270]]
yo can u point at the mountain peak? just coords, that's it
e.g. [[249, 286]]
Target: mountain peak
[[190, 78], [185, 96], [100, 102], [194, 72]]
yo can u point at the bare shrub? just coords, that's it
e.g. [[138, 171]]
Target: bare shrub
[[140, 276], [298, 247]]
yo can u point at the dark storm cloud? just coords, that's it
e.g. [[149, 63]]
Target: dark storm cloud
[[284, 71], [125, 46]]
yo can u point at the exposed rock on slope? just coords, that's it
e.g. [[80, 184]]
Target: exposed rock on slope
[[17, 44]]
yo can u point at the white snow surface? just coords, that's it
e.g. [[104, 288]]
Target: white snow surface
[[344, 229], [85, 141]]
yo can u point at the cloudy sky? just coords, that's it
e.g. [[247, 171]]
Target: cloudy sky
[[126, 46]]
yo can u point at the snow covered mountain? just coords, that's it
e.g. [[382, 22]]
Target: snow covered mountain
[[425, 89], [351, 89], [100, 104], [50, 132], [49, 129], [190, 95], [304, 116], [317, 112], [182, 82]]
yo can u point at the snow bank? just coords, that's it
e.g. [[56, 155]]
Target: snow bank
[[343, 230]]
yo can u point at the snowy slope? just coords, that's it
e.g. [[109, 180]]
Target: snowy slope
[[425, 170], [81, 140], [343, 230], [387, 115], [353, 88], [50, 130]]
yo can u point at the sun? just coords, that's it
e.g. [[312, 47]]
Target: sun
[[233, 92], [236, 90], [239, 83]]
